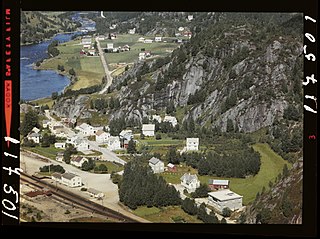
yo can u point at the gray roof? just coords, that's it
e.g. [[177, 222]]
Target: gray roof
[[69, 175], [56, 175], [187, 177], [224, 195], [219, 182], [34, 135], [154, 160]]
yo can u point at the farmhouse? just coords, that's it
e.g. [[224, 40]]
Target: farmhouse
[[46, 123], [190, 182], [158, 39], [35, 137], [57, 177], [192, 144], [225, 198], [180, 29], [114, 143], [78, 161], [171, 167], [141, 39], [59, 156], [95, 193], [156, 117], [86, 129], [126, 134], [170, 119], [60, 145], [132, 31], [215, 184], [156, 165], [148, 129], [148, 41], [86, 40], [102, 137], [81, 145], [142, 56], [70, 179], [109, 46], [190, 17]]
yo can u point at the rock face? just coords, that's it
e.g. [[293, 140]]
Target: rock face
[[256, 79], [72, 107]]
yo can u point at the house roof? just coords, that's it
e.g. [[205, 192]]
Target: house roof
[[34, 135], [100, 132], [170, 165], [169, 118], [148, 127], [56, 175], [69, 175], [192, 140], [126, 132], [219, 182], [224, 195], [85, 126], [78, 159], [187, 177], [93, 191], [154, 160]]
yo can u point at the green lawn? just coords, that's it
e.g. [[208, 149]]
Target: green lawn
[[44, 101], [49, 152], [112, 167], [89, 70], [164, 215], [271, 165]]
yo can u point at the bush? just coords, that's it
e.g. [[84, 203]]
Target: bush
[[158, 136], [83, 189], [226, 212]]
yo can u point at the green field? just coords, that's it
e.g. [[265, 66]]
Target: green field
[[89, 70], [49, 152], [44, 101], [112, 167], [164, 215], [156, 48], [271, 165]]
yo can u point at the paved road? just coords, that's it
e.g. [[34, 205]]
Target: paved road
[[105, 66]]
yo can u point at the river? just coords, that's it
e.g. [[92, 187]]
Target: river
[[35, 84]]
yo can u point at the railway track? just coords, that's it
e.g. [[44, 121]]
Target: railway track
[[76, 200]]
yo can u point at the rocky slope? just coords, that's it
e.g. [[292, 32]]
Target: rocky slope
[[239, 72]]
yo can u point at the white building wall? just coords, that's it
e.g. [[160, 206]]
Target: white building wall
[[148, 133], [233, 204], [158, 168]]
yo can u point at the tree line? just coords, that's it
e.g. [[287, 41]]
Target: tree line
[[141, 187]]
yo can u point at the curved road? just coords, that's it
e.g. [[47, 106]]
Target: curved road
[[105, 66]]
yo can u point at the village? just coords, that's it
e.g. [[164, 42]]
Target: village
[[96, 144]]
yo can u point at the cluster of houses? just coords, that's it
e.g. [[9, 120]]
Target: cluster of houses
[[87, 47], [143, 55], [111, 49], [145, 40]]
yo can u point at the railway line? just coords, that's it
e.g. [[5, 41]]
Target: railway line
[[75, 199]]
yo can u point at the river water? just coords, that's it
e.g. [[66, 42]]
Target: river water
[[36, 84]]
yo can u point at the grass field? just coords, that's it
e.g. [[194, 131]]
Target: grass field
[[44, 101], [271, 165], [89, 70], [164, 215], [156, 48], [49, 152], [112, 167]]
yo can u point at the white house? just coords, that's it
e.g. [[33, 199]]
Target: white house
[[109, 46], [142, 56], [126, 134], [35, 137], [56, 177], [156, 117], [225, 198], [70, 179], [170, 119], [86, 40], [60, 145], [78, 161], [114, 143], [190, 182], [141, 39], [180, 29], [81, 144], [158, 39], [102, 137], [192, 144], [148, 129], [95, 193], [46, 123], [59, 156], [190, 17], [86, 129], [35, 130], [156, 165], [148, 41], [132, 31]]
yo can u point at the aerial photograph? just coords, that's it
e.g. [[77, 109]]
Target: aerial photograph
[[161, 117]]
